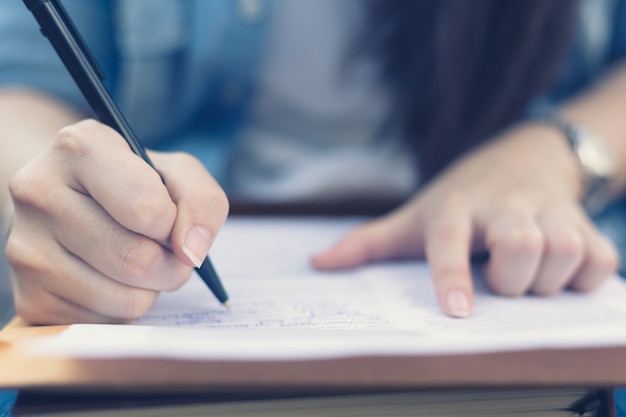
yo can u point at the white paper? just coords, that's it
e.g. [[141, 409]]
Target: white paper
[[283, 309]]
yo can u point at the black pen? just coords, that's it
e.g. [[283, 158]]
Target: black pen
[[57, 26]]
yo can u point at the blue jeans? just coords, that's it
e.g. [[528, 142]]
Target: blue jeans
[[620, 402], [7, 398]]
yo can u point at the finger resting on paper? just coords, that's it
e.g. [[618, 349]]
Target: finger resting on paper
[[392, 237], [447, 243]]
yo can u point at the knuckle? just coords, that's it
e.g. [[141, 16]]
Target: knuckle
[[521, 239], [453, 199], [447, 231], [23, 257], [217, 202], [567, 245], [600, 265], [605, 258], [139, 262], [601, 262], [514, 198], [71, 141], [17, 254], [210, 208], [21, 187], [28, 190], [509, 198], [150, 209]]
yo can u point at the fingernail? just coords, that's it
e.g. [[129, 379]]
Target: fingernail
[[458, 304], [197, 244]]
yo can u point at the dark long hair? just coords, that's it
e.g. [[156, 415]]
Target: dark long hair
[[461, 70]]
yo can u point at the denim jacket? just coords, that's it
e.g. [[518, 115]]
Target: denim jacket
[[176, 68]]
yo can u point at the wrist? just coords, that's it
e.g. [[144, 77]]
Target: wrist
[[594, 162], [539, 153]]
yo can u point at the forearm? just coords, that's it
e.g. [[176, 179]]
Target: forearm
[[28, 121], [603, 109]]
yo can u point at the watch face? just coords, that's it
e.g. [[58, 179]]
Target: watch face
[[594, 156]]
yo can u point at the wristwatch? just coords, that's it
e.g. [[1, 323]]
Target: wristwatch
[[596, 163]]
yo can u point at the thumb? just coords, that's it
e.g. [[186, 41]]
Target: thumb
[[202, 206], [394, 236]]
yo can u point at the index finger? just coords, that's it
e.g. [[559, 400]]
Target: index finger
[[447, 244]]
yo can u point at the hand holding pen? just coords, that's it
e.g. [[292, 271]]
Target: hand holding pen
[[98, 232], [91, 225]]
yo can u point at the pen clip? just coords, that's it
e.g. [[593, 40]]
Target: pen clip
[[58, 6]]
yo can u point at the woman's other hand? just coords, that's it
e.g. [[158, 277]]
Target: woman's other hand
[[517, 199]]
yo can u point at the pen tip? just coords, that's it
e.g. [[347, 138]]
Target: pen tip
[[226, 304]]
